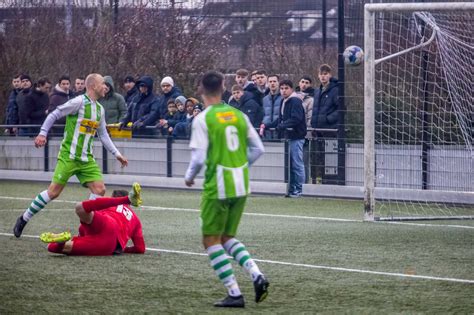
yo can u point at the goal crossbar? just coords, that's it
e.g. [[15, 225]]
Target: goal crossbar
[[401, 7]]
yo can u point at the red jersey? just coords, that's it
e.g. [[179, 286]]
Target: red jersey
[[130, 227]]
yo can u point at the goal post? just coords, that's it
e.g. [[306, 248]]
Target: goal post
[[418, 111]]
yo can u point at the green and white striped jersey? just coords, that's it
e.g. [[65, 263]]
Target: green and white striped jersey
[[222, 131], [84, 118]]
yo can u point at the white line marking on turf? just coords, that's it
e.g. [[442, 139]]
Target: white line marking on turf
[[391, 274], [46, 210], [256, 214], [153, 208], [428, 224]]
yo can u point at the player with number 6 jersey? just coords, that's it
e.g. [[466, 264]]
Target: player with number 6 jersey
[[224, 139], [106, 226]]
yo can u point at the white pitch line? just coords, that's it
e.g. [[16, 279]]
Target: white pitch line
[[427, 224], [152, 208], [257, 214], [44, 210], [196, 210], [283, 263]]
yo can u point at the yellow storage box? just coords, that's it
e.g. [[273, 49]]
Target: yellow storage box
[[116, 133]]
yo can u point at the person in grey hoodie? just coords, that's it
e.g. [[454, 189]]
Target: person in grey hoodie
[[113, 103]]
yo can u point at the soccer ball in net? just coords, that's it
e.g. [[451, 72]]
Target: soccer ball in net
[[353, 55]]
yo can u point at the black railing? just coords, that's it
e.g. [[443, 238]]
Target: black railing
[[316, 148]]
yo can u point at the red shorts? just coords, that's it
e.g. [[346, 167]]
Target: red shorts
[[100, 238]]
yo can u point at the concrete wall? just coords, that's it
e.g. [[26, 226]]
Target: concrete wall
[[450, 168]]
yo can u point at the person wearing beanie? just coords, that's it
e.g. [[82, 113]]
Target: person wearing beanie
[[25, 77], [197, 109], [130, 88], [167, 81], [180, 99], [169, 91]]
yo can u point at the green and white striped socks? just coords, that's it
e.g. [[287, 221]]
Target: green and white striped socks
[[223, 268], [237, 250], [37, 205]]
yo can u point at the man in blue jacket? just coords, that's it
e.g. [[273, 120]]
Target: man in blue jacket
[[292, 116]]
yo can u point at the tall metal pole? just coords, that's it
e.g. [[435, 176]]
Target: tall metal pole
[[369, 114], [425, 116], [341, 131], [68, 17], [116, 6], [324, 24]]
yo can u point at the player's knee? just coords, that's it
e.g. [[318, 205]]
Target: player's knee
[[53, 194], [100, 191]]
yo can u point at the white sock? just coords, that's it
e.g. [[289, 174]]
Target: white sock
[[223, 268], [36, 205], [237, 250]]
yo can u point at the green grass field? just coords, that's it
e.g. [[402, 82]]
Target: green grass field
[[317, 254]]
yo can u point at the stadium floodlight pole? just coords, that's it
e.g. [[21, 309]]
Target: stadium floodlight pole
[[369, 114]]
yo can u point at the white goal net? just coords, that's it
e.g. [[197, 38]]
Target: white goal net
[[419, 111]]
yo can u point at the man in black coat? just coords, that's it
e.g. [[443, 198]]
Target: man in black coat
[[325, 116], [140, 108], [26, 84], [33, 109], [246, 104], [325, 106]]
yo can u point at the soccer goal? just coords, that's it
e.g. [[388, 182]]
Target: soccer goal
[[419, 111]]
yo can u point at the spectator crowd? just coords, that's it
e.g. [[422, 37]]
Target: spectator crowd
[[276, 107]]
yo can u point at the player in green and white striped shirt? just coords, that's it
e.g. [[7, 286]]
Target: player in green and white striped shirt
[[224, 139], [84, 117]]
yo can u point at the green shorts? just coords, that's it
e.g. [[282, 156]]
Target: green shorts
[[86, 172], [221, 217]]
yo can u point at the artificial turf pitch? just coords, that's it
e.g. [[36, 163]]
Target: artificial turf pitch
[[318, 255]]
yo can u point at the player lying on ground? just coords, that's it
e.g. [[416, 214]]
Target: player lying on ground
[[106, 226]]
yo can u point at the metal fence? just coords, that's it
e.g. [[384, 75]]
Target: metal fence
[[397, 167]]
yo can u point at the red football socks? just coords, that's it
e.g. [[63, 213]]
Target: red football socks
[[104, 203]]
